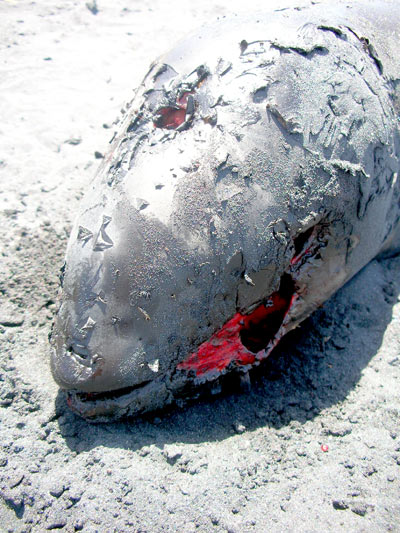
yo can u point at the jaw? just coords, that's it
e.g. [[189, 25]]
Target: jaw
[[242, 342]]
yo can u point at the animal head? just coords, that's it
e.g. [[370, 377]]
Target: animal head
[[253, 175]]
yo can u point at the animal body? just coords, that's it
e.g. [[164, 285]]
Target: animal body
[[255, 173]]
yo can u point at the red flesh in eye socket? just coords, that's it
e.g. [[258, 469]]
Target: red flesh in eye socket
[[172, 117]]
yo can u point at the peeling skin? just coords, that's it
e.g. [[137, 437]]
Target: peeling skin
[[255, 172]]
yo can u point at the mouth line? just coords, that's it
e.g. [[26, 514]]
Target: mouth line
[[113, 405], [96, 397]]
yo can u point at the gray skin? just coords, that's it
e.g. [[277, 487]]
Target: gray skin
[[290, 129]]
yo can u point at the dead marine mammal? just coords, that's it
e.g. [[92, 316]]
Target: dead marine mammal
[[255, 173]]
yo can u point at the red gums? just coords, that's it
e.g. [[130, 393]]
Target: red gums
[[244, 336], [172, 117]]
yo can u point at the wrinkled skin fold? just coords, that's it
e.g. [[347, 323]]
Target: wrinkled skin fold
[[254, 174]]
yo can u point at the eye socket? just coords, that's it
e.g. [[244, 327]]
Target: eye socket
[[170, 118]]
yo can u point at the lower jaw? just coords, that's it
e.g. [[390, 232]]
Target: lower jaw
[[121, 403], [159, 395]]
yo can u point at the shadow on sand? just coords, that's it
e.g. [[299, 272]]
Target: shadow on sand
[[314, 368]]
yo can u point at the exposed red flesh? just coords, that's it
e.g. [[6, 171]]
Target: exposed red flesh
[[223, 347], [183, 99], [172, 117], [244, 336]]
